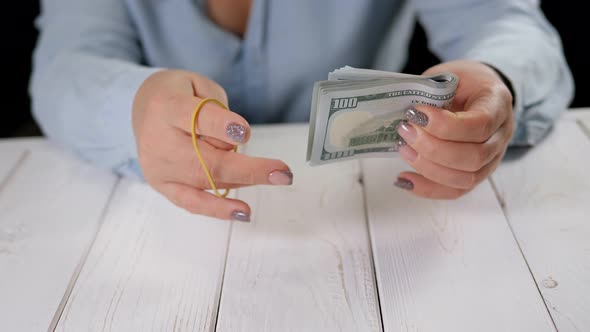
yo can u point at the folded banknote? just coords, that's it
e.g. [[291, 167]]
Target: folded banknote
[[355, 112]]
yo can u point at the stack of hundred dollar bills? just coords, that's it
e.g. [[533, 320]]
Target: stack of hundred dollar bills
[[355, 113]]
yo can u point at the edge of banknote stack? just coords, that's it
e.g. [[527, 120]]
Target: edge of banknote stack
[[355, 113]]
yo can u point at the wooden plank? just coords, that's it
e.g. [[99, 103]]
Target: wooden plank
[[12, 154], [547, 191], [447, 265], [585, 126], [580, 115], [304, 263], [153, 267], [50, 210], [577, 113]]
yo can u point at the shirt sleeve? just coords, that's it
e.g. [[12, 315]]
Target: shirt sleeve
[[514, 37], [86, 71]]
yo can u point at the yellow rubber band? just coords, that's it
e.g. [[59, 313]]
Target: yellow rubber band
[[196, 146]]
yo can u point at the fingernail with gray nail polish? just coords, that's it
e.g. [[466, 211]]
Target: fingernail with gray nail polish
[[281, 178], [416, 117], [236, 132], [404, 183], [240, 216]]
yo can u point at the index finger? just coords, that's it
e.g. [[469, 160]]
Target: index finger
[[229, 169], [480, 119], [239, 169]]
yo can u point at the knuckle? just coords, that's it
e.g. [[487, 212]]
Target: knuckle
[[467, 180], [196, 174], [158, 100], [164, 102], [427, 147], [219, 214], [219, 92], [487, 126], [186, 201], [491, 89], [250, 177], [481, 157], [217, 123], [191, 209], [428, 192], [444, 130], [510, 126], [212, 89], [216, 167], [180, 197], [502, 91], [473, 180], [246, 177], [173, 102]]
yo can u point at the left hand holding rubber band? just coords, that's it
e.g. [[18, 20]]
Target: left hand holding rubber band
[[173, 108]]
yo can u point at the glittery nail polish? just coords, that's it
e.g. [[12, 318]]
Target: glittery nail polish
[[240, 216], [404, 183], [236, 132], [416, 117]]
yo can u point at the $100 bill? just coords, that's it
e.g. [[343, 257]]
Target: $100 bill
[[355, 113]]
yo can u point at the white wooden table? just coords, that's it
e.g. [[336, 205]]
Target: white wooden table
[[340, 250]]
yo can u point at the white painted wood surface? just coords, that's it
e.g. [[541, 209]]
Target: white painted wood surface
[[305, 261], [447, 265], [12, 153], [547, 202], [582, 116], [50, 209], [304, 264], [153, 267]]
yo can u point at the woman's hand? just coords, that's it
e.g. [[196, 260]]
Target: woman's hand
[[454, 150], [162, 112]]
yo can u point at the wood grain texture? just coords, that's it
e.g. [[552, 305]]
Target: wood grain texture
[[153, 267], [304, 263], [50, 211], [447, 265], [546, 191]]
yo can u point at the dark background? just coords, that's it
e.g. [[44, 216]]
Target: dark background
[[19, 41]]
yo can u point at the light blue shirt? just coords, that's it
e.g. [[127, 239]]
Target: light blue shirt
[[92, 56]]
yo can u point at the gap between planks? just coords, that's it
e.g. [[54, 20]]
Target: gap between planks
[[14, 169], [76, 273], [585, 128], [229, 232], [361, 181], [277, 224], [502, 204], [546, 189]]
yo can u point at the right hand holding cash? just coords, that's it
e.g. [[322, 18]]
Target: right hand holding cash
[[355, 112]]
